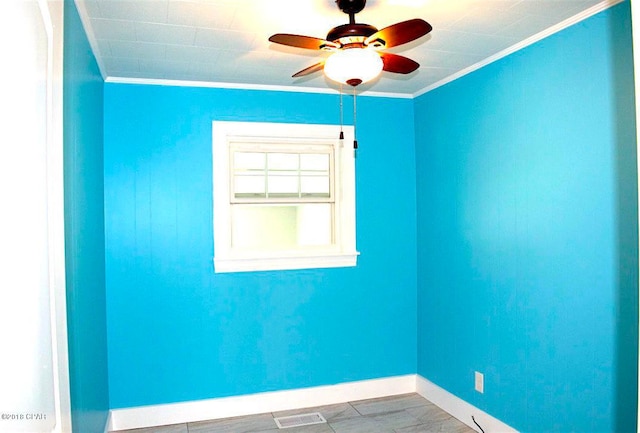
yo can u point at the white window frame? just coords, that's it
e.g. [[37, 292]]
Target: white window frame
[[342, 253]]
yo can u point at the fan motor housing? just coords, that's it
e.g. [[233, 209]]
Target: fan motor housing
[[350, 30]]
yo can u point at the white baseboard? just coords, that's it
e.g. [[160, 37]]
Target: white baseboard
[[192, 411], [176, 413], [459, 408]]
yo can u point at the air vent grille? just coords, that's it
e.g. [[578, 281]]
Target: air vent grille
[[299, 420]]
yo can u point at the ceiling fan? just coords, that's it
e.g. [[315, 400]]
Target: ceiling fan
[[356, 57]]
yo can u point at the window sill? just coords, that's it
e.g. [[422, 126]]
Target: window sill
[[280, 263]]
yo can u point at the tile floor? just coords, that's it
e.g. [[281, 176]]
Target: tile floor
[[407, 413]]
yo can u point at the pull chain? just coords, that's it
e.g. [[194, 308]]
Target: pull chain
[[341, 115], [355, 136]]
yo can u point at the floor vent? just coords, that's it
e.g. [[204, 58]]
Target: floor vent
[[299, 420]]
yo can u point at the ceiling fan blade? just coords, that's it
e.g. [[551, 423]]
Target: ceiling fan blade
[[310, 70], [398, 64], [299, 41], [401, 33]]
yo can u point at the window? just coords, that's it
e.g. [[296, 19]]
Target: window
[[283, 196]]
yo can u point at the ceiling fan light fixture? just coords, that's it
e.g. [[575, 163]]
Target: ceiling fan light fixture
[[353, 66]]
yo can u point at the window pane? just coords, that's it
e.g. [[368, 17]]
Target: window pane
[[281, 227], [249, 186], [283, 161], [264, 227], [248, 161], [315, 186], [287, 184], [315, 224], [314, 162]]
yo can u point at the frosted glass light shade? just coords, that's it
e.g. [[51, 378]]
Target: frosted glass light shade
[[353, 66]]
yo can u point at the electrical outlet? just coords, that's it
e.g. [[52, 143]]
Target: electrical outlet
[[479, 382]]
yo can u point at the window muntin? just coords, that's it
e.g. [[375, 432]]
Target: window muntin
[[281, 172]]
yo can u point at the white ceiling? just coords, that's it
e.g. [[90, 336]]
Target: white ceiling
[[225, 42]]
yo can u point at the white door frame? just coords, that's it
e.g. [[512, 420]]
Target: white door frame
[[36, 157], [53, 12]]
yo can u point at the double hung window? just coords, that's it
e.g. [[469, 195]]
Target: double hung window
[[284, 197]]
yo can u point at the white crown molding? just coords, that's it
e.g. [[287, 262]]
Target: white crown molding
[[245, 86], [525, 43], [202, 410], [215, 85]]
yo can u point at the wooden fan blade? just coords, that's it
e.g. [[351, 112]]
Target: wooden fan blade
[[398, 64], [299, 41], [401, 33], [310, 70]]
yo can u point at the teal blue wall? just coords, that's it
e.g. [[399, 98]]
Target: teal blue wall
[[180, 332], [527, 232], [84, 228], [526, 240]]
